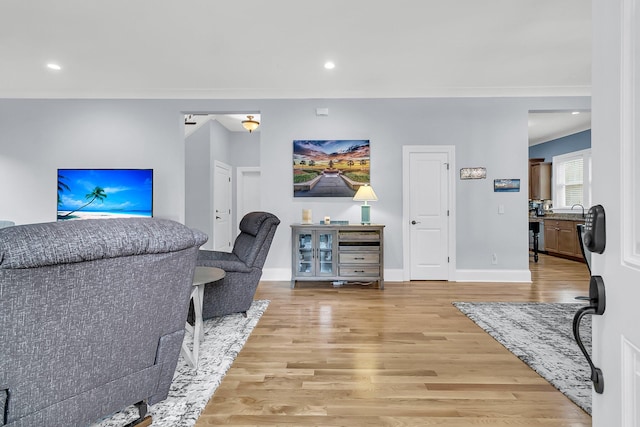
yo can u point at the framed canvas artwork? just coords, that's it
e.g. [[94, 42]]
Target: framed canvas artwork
[[330, 168]]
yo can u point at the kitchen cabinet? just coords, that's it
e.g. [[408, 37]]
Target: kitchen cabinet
[[561, 238], [539, 179], [338, 253]]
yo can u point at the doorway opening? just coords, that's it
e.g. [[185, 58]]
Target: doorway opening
[[553, 135], [217, 142]]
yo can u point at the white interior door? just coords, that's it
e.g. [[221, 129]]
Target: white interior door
[[222, 207], [427, 212], [616, 185]]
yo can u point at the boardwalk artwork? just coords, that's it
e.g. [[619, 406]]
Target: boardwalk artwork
[[330, 168]]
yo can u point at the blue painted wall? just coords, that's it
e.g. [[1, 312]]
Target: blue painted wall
[[568, 144]]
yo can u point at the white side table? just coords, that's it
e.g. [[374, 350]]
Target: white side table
[[201, 277]]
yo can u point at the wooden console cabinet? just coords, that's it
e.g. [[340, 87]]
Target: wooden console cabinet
[[337, 253]]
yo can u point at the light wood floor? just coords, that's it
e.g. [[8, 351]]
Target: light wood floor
[[403, 356]]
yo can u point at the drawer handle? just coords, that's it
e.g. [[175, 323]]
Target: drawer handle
[[358, 271], [358, 257]]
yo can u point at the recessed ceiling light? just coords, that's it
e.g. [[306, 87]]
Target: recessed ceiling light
[[575, 112], [329, 65], [53, 66]]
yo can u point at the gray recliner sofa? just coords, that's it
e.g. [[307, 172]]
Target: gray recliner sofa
[[92, 317], [243, 266]]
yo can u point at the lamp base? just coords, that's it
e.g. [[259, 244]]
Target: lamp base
[[366, 215]]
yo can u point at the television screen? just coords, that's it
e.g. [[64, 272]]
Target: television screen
[[104, 193]]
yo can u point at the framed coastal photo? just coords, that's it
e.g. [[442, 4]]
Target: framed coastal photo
[[506, 185], [330, 168]]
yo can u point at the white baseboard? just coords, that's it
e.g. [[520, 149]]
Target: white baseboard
[[396, 275], [393, 275], [493, 276], [276, 274]]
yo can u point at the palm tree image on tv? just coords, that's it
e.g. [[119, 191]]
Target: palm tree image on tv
[[62, 186], [97, 194], [104, 193]]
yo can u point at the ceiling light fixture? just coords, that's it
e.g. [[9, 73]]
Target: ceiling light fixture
[[329, 65], [250, 124], [53, 66], [575, 112]]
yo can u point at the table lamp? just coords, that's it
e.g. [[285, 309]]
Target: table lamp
[[365, 194]]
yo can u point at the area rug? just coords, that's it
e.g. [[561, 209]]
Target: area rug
[[190, 390], [541, 335]]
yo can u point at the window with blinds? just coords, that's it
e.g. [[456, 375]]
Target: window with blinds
[[572, 184]]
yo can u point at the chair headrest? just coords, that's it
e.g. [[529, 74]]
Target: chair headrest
[[252, 222]]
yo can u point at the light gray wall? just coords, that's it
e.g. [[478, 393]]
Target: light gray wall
[[198, 197], [244, 149], [37, 137], [485, 132]]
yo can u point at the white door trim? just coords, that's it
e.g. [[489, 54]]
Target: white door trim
[[406, 228]]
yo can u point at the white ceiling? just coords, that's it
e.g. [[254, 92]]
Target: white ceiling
[[276, 49], [546, 126]]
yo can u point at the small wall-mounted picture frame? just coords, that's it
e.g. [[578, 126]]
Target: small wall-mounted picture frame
[[506, 185], [473, 173]]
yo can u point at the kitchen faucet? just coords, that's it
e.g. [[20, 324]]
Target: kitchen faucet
[[578, 204]]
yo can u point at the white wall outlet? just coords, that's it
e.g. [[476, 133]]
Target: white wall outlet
[[501, 209], [494, 259]]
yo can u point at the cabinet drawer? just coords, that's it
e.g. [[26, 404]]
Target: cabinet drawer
[[359, 271], [359, 258], [359, 236]]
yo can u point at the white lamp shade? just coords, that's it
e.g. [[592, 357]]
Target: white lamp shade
[[365, 194]]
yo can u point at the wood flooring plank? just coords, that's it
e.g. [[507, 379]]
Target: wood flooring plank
[[399, 357]]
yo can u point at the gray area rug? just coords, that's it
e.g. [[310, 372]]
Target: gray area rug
[[190, 390], [541, 335]]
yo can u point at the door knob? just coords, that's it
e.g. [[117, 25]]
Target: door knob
[[414, 222]]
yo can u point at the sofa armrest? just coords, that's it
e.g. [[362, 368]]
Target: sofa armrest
[[229, 266], [205, 255], [227, 261]]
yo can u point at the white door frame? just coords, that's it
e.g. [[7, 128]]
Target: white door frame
[[406, 219]]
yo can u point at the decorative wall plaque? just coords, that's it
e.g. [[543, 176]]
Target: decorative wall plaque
[[473, 173]]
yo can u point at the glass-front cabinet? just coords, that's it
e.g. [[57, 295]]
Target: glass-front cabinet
[[338, 253], [314, 253]]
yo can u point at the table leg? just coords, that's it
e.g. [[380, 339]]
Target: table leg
[[197, 330]]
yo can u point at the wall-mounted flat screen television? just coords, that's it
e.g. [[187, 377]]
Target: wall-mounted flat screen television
[[104, 193]]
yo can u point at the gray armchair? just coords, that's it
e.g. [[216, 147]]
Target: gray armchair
[[243, 266], [91, 317]]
